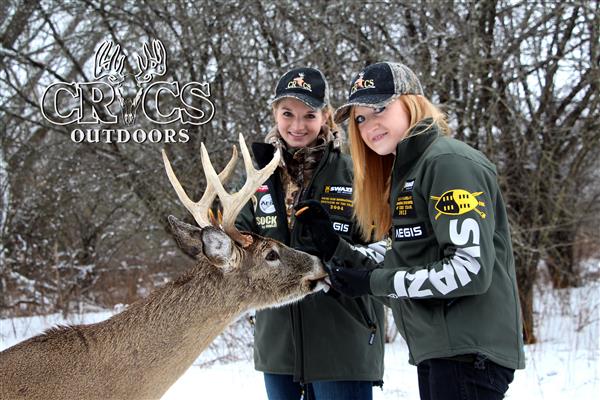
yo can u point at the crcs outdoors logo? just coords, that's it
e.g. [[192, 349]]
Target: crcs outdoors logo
[[361, 83], [299, 82], [161, 102]]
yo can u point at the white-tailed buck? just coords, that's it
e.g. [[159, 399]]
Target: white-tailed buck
[[140, 353]]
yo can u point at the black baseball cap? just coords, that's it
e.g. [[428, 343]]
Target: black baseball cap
[[305, 84], [377, 85]]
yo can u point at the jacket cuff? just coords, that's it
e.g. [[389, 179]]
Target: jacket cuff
[[342, 250], [382, 282]]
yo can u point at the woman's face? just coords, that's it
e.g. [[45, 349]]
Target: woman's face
[[382, 128], [298, 124]]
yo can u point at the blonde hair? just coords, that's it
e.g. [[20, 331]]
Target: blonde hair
[[373, 173]]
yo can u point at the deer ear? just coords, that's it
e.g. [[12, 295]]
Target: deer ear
[[218, 247], [188, 237]]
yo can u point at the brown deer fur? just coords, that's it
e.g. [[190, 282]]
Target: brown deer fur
[[141, 352]]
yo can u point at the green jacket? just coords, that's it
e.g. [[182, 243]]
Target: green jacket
[[450, 275], [322, 337]]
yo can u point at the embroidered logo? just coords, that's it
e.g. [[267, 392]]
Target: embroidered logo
[[338, 189], [300, 83], [409, 232], [361, 83], [266, 204], [409, 185], [458, 202]]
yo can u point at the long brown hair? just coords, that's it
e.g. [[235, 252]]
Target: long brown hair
[[372, 172]]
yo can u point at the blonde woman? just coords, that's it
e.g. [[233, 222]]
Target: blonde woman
[[325, 347]]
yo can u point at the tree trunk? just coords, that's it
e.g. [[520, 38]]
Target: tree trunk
[[526, 268]]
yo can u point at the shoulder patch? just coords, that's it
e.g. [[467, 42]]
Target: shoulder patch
[[457, 202]]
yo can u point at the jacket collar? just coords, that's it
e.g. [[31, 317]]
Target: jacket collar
[[409, 150], [263, 152]]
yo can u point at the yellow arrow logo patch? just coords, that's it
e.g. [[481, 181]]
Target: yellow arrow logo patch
[[458, 202]]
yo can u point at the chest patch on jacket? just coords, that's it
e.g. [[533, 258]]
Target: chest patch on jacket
[[266, 222], [265, 203], [405, 205], [337, 200], [458, 202]]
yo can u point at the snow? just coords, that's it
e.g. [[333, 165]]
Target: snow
[[563, 365]]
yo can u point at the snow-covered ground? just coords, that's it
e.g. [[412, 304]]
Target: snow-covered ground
[[564, 365]]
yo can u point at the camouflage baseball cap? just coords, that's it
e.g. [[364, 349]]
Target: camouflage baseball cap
[[377, 85]]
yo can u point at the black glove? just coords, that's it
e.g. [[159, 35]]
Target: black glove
[[314, 216], [352, 282]]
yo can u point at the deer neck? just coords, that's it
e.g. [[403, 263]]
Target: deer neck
[[166, 332]]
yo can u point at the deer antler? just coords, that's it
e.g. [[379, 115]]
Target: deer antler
[[233, 203], [200, 208], [109, 62], [152, 63]]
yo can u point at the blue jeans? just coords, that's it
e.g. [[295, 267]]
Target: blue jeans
[[480, 379], [283, 387]]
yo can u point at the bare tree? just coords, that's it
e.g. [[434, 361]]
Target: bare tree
[[518, 80]]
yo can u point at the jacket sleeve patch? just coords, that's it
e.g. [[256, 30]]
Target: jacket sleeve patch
[[409, 232], [457, 202]]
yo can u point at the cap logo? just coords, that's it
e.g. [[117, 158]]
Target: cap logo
[[361, 83], [300, 83]]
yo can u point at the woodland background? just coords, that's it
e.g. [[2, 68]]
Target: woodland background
[[84, 225]]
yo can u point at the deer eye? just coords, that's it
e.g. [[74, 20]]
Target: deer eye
[[272, 256]]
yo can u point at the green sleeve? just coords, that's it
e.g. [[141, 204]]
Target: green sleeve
[[357, 256], [459, 193]]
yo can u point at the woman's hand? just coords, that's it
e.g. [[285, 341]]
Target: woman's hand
[[352, 282]]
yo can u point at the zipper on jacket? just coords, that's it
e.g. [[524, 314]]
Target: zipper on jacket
[[297, 313], [372, 325], [298, 342]]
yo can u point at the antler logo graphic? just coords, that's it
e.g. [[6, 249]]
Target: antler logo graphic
[[109, 63]]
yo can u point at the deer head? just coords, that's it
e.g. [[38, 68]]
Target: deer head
[[271, 271], [109, 62]]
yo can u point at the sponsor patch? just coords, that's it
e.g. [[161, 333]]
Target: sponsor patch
[[341, 227], [405, 206], [267, 222], [458, 202], [338, 189], [266, 204], [404, 233], [262, 189], [337, 200], [408, 185]]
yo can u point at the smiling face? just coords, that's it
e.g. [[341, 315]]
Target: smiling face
[[298, 124], [382, 128]]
